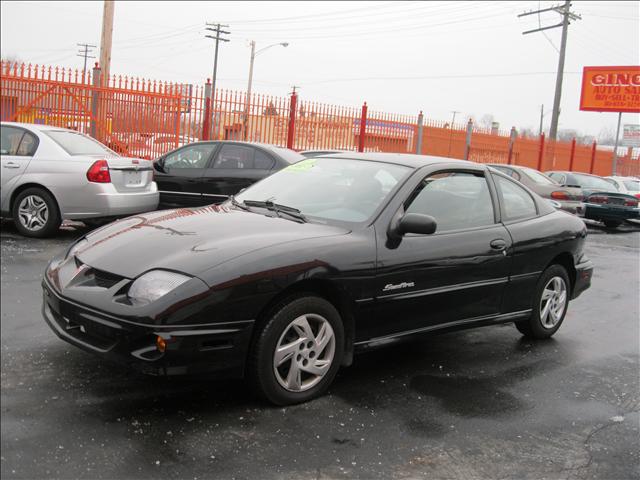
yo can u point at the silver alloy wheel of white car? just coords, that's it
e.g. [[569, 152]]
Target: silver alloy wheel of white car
[[304, 353], [33, 213], [553, 302]]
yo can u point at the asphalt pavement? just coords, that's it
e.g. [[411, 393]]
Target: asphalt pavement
[[482, 403]]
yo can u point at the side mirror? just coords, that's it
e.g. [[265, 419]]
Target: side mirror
[[417, 223]]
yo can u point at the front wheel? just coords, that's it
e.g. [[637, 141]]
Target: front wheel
[[612, 223], [549, 306], [296, 354]]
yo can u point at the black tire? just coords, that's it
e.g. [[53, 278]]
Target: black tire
[[261, 372], [612, 223], [50, 222], [533, 327]]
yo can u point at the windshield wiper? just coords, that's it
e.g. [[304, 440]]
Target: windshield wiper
[[277, 209], [238, 204]]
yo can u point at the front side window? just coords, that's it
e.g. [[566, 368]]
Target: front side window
[[75, 143], [193, 156], [17, 142], [457, 200], [516, 202]]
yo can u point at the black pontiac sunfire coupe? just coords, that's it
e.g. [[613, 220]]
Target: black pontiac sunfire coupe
[[285, 282]]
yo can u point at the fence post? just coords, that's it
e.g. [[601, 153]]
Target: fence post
[[573, 154], [541, 152], [420, 132], [467, 143], [593, 157], [292, 119], [512, 139], [206, 121], [363, 127], [95, 100]]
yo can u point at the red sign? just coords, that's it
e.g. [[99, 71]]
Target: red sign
[[611, 89]]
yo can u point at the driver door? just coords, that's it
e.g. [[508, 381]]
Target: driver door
[[452, 276], [179, 175]]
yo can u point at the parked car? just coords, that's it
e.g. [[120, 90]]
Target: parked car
[[50, 174], [629, 185], [319, 153], [602, 200], [208, 172], [327, 257], [567, 198]]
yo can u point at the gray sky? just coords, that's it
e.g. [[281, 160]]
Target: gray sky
[[400, 56]]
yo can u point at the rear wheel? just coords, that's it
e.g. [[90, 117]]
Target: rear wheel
[[612, 223], [550, 304], [35, 213], [297, 352]]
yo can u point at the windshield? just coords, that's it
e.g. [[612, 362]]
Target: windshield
[[538, 177], [587, 181], [78, 144], [330, 188]]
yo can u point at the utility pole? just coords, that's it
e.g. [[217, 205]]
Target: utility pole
[[567, 14], [106, 40], [217, 29], [247, 102], [85, 53], [453, 119], [541, 117]]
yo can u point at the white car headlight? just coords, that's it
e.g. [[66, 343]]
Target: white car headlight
[[153, 285]]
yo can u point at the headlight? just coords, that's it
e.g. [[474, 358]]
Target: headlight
[[153, 285], [76, 247]]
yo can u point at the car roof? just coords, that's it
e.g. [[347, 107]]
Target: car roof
[[405, 159], [36, 126]]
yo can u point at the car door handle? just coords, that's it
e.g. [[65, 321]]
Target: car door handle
[[11, 165], [498, 244]]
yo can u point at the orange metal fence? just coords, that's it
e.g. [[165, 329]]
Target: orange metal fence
[[147, 118]]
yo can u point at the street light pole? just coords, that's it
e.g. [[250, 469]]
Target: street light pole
[[247, 103]]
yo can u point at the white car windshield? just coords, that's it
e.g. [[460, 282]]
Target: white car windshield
[[330, 188]]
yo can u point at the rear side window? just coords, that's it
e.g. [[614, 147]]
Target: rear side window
[[457, 200], [18, 142], [516, 202], [234, 157], [263, 161], [78, 144]]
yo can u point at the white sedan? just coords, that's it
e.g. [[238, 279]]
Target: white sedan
[[50, 174], [630, 185]]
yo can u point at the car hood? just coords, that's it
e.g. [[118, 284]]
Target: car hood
[[190, 240]]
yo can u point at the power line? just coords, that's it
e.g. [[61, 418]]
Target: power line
[[567, 14]]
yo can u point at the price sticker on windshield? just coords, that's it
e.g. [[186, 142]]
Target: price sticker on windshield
[[302, 166]]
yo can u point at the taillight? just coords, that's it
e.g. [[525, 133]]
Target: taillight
[[597, 199], [629, 202], [637, 195], [99, 172], [560, 195]]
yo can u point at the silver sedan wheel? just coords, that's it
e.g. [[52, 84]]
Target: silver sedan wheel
[[304, 353], [553, 302], [33, 213]]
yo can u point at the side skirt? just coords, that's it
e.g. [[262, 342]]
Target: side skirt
[[443, 327]]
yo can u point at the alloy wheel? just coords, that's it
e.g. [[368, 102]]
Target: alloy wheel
[[33, 212], [553, 302], [304, 353]]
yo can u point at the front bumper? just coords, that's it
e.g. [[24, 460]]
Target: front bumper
[[584, 272], [218, 349]]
